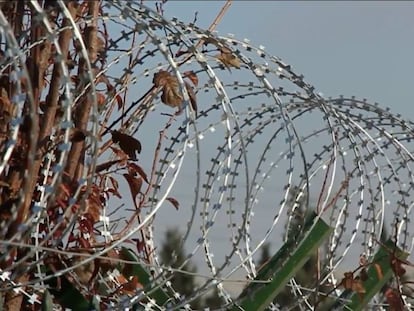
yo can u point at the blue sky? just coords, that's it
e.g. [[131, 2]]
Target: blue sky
[[342, 48], [351, 48], [361, 48]]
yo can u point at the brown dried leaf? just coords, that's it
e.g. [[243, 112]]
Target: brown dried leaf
[[114, 192], [86, 224], [161, 78], [346, 282], [120, 102], [121, 279], [94, 204], [174, 202], [100, 99], [81, 10], [6, 107], [181, 53], [191, 76], [73, 7], [358, 286], [135, 185], [193, 99], [106, 165], [394, 300], [140, 244], [171, 93], [119, 153], [108, 264], [130, 286], [364, 275], [135, 168], [128, 144], [75, 79], [396, 265], [351, 283], [115, 186], [99, 44], [228, 59], [112, 92]]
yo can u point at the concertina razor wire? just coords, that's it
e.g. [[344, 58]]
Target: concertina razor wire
[[246, 148]]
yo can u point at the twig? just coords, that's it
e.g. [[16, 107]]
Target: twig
[[195, 17], [212, 27], [81, 113], [318, 208], [344, 185], [149, 92], [220, 15]]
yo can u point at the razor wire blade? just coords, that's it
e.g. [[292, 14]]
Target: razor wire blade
[[231, 135]]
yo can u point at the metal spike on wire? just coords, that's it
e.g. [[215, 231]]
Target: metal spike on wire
[[248, 148]]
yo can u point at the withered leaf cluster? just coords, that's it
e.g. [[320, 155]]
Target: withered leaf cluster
[[128, 144], [226, 56], [228, 59], [171, 93]]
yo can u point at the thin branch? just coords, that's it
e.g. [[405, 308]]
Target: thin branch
[[220, 15]]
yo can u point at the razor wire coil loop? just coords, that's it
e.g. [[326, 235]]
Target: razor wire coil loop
[[271, 130]]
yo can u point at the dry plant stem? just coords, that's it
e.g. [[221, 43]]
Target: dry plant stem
[[150, 92], [217, 20], [131, 63], [82, 111], [145, 195], [162, 135], [110, 109], [322, 193], [147, 249], [343, 187], [148, 95], [51, 106], [128, 76], [37, 71], [318, 210], [48, 119], [157, 154], [220, 15], [154, 162], [14, 301], [212, 27]]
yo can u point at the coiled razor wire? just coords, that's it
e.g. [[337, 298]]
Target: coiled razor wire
[[260, 133]]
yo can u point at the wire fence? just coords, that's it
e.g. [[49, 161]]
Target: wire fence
[[110, 120]]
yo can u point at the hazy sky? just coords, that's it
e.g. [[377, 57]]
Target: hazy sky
[[361, 48], [342, 48]]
